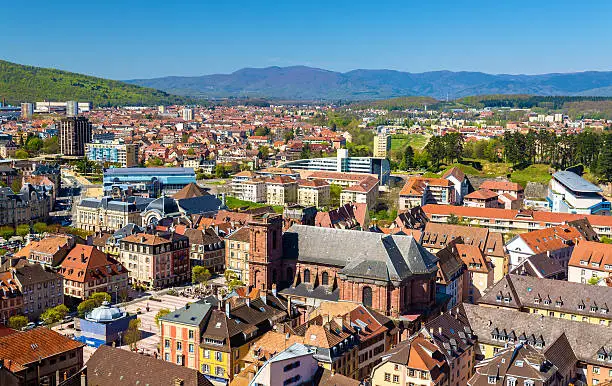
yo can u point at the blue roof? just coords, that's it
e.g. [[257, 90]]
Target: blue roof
[[148, 171], [576, 183]]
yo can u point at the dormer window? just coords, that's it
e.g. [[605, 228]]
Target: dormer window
[[581, 306], [547, 301], [558, 303], [492, 380], [593, 308], [583, 262], [536, 300]]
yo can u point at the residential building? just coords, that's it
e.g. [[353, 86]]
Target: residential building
[[382, 145], [498, 328], [416, 362], [347, 216], [450, 277], [151, 182], [74, 133], [107, 214], [207, 249], [187, 114], [41, 288], [296, 364], [479, 272], [365, 192], [11, 298], [570, 193], [523, 364], [560, 299], [482, 198], [26, 207], [114, 366], [437, 236], [375, 275], [504, 187], [542, 266], [515, 221], [156, 260], [335, 178], [8, 147], [237, 248], [254, 190], [72, 108], [40, 356], [459, 181], [48, 251], [419, 191], [343, 163], [27, 110], [87, 270], [591, 262], [313, 193], [557, 242], [281, 191], [181, 333], [113, 152]]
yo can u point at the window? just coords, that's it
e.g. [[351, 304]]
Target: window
[[179, 346], [511, 382], [529, 382], [167, 357], [411, 373], [396, 378], [219, 371], [325, 278], [206, 353], [190, 347], [307, 276], [595, 370], [205, 368], [179, 359], [191, 334], [219, 356], [519, 363], [367, 296], [167, 343]]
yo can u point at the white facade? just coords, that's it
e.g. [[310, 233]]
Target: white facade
[[293, 366]]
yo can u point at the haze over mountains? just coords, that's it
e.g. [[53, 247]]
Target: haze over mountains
[[307, 83]]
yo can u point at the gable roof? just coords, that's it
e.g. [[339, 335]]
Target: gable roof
[[190, 190]]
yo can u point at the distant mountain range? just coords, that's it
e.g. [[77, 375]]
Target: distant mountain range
[[307, 83], [19, 83]]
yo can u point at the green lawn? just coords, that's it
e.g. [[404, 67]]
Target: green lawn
[[234, 203], [400, 141], [533, 173]]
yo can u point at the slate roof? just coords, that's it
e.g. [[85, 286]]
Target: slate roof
[[363, 254], [191, 314], [576, 183], [202, 204], [115, 366], [28, 274]]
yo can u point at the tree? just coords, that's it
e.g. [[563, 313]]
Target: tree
[[85, 307], [100, 297], [23, 230], [288, 136], [191, 151], [435, 149], [7, 232], [16, 185], [409, 158], [51, 145], [40, 227], [154, 162], [605, 240], [305, 153], [34, 144], [21, 154], [232, 281], [334, 195], [221, 171], [17, 322], [452, 219], [593, 280], [62, 310], [200, 275], [133, 335], [263, 152], [160, 314], [262, 131]]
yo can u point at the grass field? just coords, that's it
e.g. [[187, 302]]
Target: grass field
[[234, 203], [417, 141], [533, 173]]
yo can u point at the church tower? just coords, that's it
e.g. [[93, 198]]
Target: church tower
[[266, 250]]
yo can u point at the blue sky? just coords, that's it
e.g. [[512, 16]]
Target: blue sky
[[141, 39]]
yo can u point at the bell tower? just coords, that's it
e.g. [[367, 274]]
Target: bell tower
[[266, 250]]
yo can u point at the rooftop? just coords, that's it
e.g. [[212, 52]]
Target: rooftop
[[576, 183]]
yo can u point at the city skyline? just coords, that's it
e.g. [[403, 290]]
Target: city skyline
[[144, 40]]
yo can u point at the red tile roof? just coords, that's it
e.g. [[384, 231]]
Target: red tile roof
[[482, 194], [501, 185], [551, 239], [592, 252]]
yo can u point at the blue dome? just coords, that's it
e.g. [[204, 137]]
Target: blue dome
[[164, 205], [105, 313]]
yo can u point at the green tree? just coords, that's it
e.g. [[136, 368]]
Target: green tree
[[221, 171], [452, 219], [154, 162], [40, 227], [262, 131], [85, 307], [288, 136], [200, 275], [132, 334], [306, 152], [62, 310], [21, 154], [23, 230], [7, 232], [100, 297], [34, 144], [605, 240], [160, 314], [408, 158], [51, 145], [17, 322], [593, 280], [16, 185], [334, 195], [263, 152], [191, 151], [50, 315]]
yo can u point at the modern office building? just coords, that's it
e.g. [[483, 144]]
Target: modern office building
[[343, 163], [570, 193], [151, 182], [115, 151], [48, 107], [27, 110], [74, 133], [72, 108], [382, 145]]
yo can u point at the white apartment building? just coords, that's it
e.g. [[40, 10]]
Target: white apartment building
[[591, 262], [313, 193], [382, 145]]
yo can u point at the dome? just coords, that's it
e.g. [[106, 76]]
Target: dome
[[105, 313], [164, 205]]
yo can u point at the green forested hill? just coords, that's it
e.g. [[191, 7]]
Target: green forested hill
[[19, 83]]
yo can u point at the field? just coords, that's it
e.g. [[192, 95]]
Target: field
[[417, 141], [234, 203]]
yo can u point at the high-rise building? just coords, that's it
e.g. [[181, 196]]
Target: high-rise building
[[187, 114], [116, 151], [161, 109], [382, 145], [74, 133], [27, 110], [72, 108]]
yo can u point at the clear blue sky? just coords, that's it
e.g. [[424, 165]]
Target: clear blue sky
[[140, 39]]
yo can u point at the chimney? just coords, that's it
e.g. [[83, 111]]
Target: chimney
[[274, 289], [227, 308], [248, 301], [83, 257]]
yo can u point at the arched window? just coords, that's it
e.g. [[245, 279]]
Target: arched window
[[367, 296], [307, 276], [325, 278]]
